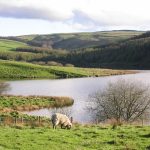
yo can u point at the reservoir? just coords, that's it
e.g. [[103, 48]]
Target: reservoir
[[77, 88]]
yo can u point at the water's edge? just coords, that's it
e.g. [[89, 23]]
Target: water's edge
[[77, 88]]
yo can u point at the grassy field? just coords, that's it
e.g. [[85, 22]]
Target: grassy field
[[18, 70], [10, 45], [79, 138], [26, 103], [91, 71], [21, 70]]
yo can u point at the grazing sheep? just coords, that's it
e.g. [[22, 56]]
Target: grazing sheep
[[61, 119]]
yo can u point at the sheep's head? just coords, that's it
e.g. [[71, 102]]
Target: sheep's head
[[69, 126], [70, 123]]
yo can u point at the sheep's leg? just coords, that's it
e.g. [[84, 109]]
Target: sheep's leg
[[54, 127], [55, 124]]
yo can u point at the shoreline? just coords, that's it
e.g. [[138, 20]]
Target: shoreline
[[124, 73], [12, 70], [9, 103]]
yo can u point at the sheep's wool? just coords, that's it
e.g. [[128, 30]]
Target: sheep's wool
[[61, 119]]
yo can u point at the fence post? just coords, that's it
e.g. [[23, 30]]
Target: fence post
[[21, 120], [0, 120], [39, 120], [15, 120], [142, 121], [71, 119]]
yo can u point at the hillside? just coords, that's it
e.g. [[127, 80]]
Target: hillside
[[71, 41], [22, 70], [81, 40], [144, 35], [131, 53], [20, 51], [10, 45]]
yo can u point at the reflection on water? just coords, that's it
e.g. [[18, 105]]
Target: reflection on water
[[79, 89]]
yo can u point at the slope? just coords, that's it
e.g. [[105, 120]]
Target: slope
[[81, 40]]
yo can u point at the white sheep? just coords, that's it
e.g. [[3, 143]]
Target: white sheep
[[61, 119]]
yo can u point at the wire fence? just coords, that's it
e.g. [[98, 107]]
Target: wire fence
[[36, 121]]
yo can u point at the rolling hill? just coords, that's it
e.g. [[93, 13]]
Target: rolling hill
[[133, 53], [111, 49], [81, 40], [73, 41]]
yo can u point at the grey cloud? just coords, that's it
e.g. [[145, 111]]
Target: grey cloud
[[31, 12], [85, 20], [25, 12], [105, 18]]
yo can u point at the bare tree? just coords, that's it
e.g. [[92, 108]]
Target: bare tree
[[123, 100], [4, 87]]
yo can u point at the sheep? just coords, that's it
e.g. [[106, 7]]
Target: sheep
[[61, 119]]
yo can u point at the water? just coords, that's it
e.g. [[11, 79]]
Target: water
[[79, 89]]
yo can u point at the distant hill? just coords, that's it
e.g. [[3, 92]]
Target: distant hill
[[79, 40], [133, 53], [144, 35], [107, 49]]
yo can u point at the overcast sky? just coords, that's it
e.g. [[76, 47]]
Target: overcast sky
[[18, 17]]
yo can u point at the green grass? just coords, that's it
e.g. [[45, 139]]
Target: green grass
[[18, 70], [21, 70], [10, 45], [91, 71], [26, 103], [79, 138]]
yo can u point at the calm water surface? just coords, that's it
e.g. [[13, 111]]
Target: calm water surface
[[79, 89]]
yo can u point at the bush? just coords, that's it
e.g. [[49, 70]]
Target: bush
[[53, 63], [69, 65]]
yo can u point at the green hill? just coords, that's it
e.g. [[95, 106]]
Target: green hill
[[80, 40], [118, 49], [10, 45], [133, 54]]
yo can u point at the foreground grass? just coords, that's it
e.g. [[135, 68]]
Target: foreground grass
[[78, 138], [26, 103], [20, 70]]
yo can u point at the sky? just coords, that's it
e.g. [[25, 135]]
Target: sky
[[23, 17]]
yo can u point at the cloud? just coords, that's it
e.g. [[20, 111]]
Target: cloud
[[81, 15], [27, 13]]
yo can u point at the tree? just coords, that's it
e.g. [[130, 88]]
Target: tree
[[3, 87], [123, 100]]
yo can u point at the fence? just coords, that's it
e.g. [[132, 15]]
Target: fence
[[36, 121]]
